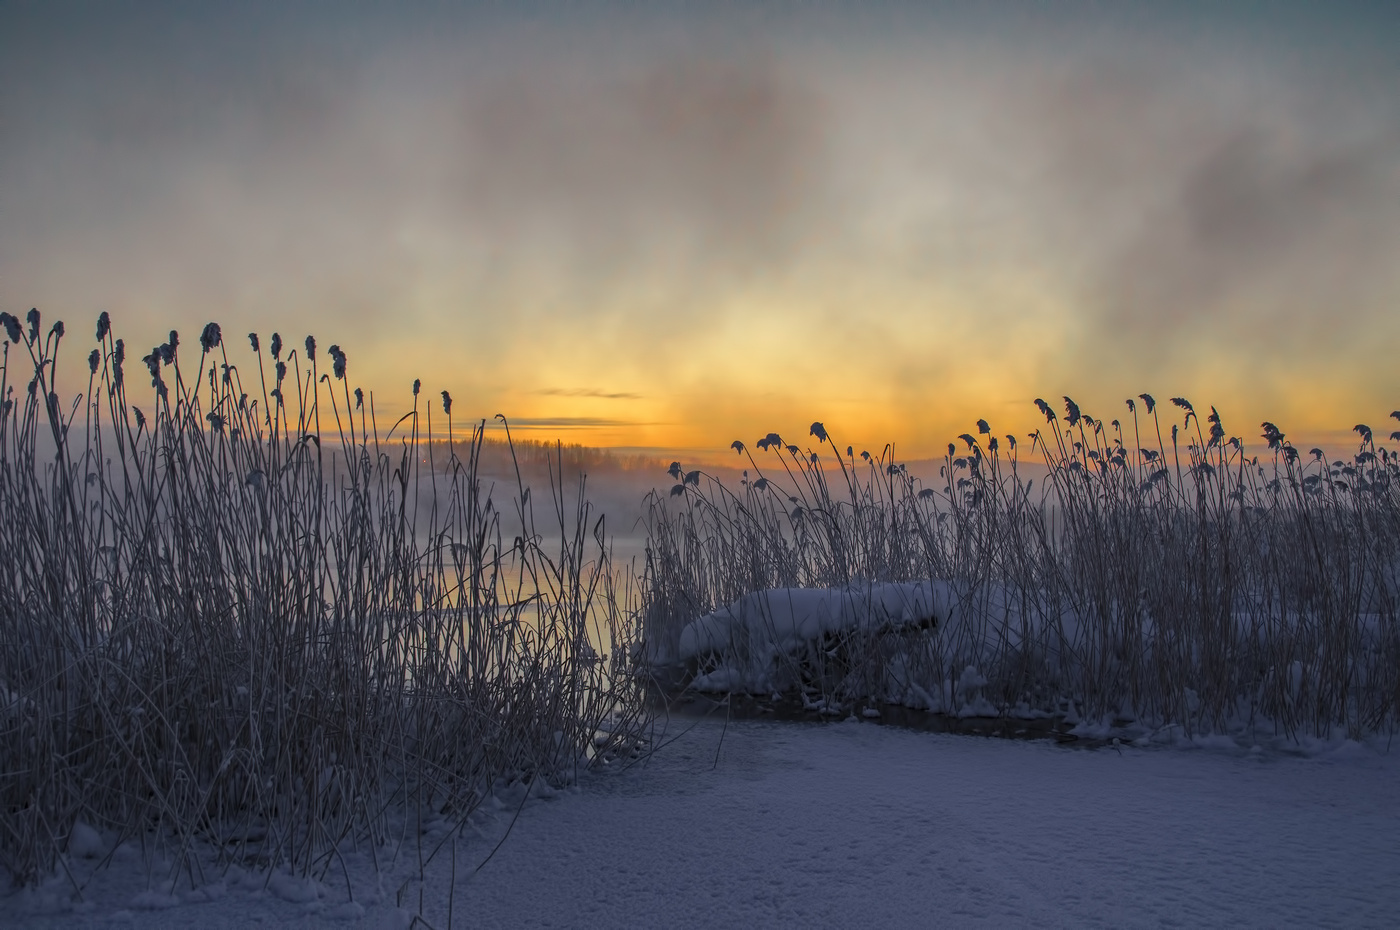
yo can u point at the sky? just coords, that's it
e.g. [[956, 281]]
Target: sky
[[669, 226]]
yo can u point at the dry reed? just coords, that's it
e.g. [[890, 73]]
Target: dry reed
[[250, 619], [1146, 581]]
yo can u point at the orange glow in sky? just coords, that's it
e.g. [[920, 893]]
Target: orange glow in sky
[[673, 230]]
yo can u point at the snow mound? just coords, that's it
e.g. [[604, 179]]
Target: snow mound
[[295, 890], [791, 617], [750, 634], [85, 842]]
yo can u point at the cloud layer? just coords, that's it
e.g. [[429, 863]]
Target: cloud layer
[[725, 223]]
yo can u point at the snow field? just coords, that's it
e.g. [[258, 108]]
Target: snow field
[[855, 824]]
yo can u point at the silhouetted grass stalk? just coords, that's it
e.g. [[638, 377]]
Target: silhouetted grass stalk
[[1181, 583], [222, 626]]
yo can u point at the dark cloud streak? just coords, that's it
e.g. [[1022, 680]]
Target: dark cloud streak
[[563, 423], [717, 156], [1245, 193], [1308, 227], [589, 392]]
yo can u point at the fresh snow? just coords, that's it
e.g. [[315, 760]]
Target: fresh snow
[[790, 617], [852, 824], [758, 643], [763, 627]]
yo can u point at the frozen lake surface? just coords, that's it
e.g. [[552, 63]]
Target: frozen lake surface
[[854, 824]]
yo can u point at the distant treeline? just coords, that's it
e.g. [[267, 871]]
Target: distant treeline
[[537, 457]]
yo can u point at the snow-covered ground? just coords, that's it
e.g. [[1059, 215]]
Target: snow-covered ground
[[853, 824]]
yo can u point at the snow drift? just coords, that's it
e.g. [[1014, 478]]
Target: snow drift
[[760, 640]]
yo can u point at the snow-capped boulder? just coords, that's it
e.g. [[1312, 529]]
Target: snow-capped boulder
[[742, 645]]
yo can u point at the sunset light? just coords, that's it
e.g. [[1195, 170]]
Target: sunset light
[[664, 228], [755, 464]]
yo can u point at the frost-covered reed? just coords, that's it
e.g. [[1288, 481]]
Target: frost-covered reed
[[1166, 579], [240, 614]]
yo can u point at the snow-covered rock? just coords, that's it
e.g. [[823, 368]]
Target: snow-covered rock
[[791, 617], [749, 638]]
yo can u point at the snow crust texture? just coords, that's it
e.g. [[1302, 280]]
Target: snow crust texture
[[855, 824]]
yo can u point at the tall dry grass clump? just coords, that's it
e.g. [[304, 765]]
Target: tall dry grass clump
[[249, 618], [1143, 579]]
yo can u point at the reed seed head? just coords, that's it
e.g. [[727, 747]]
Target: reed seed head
[[446, 403], [253, 341], [1072, 412], [12, 327], [93, 359], [819, 431], [338, 358], [33, 318], [311, 348], [276, 345], [104, 325], [211, 337]]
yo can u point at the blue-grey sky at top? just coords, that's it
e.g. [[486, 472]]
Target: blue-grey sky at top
[[894, 217]]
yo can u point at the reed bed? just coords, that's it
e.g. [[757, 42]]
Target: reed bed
[[251, 619], [1159, 579]]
